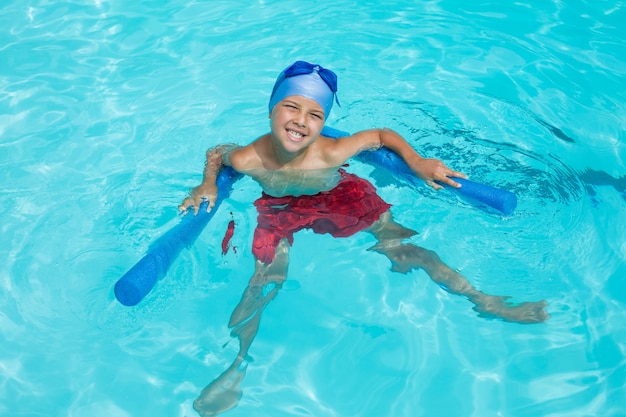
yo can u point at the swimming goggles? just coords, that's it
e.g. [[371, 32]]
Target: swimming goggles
[[302, 68]]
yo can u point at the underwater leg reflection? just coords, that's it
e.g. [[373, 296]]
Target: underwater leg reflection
[[224, 392], [406, 256]]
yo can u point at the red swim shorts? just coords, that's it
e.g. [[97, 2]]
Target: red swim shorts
[[350, 207]]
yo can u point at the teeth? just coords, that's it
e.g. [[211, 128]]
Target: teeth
[[295, 134]]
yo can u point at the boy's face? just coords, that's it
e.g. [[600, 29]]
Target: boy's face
[[297, 122]]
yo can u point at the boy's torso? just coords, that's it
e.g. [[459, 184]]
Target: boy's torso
[[296, 182]]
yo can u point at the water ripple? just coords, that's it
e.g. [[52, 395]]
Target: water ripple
[[105, 112]]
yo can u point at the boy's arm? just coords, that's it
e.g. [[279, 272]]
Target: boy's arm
[[428, 169], [207, 190]]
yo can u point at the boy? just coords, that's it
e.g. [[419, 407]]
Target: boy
[[304, 186]]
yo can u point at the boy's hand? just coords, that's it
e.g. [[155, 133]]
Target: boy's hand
[[432, 170], [199, 195], [207, 191]]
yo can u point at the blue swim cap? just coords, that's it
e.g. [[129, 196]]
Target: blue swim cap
[[307, 80]]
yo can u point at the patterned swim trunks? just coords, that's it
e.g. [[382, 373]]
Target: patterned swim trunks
[[350, 207]]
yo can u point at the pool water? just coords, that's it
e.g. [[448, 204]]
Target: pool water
[[107, 107]]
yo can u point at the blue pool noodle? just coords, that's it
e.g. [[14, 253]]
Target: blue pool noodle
[[480, 195], [135, 284]]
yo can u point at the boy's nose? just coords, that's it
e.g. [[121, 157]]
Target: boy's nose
[[299, 119]]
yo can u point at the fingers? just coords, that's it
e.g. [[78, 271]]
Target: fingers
[[437, 174], [457, 174], [196, 202], [446, 176], [188, 203], [434, 185], [210, 204], [184, 206], [444, 179], [449, 181]]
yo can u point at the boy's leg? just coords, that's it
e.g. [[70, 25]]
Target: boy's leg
[[224, 392], [405, 257]]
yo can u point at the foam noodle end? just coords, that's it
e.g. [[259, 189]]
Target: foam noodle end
[[138, 281]]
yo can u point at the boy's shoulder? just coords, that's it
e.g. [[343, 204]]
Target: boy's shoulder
[[246, 157]]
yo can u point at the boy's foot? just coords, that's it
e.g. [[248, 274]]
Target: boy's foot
[[525, 313], [223, 393]]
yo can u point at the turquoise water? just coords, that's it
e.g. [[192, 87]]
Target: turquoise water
[[106, 109]]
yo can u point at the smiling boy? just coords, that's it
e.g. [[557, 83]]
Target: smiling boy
[[305, 187]]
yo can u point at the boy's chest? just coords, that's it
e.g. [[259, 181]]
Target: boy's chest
[[281, 183]]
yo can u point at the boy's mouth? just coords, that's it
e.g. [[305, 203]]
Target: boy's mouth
[[295, 135]]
